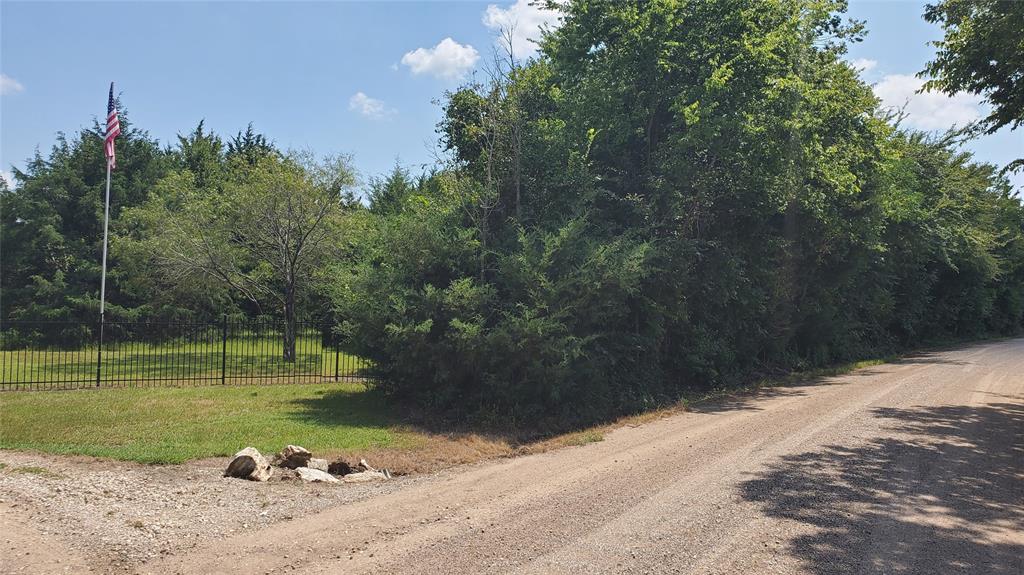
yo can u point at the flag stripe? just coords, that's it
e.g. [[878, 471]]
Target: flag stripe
[[113, 128]]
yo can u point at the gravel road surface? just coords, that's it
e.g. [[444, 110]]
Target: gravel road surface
[[911, 467]]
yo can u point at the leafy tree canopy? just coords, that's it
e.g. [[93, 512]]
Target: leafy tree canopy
[[982, 52]]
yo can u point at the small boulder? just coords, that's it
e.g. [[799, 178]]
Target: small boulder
[[314, 475], [320, 464], [365, 476], [249, 464], [340, 467], [292, 457]]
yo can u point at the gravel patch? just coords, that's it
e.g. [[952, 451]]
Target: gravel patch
[[121, 515]]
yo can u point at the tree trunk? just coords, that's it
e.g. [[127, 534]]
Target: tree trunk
[[289, 325], [483, 243], [785, 313], [517, 169]]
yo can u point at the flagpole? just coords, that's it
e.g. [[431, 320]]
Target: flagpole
[[106, 223], [103, 276], [113, 129]]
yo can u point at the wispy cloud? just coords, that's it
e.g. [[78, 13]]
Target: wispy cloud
[[864, 64], [524, 19], [449, 60], [927, 110], [9, 85], [369, 107]]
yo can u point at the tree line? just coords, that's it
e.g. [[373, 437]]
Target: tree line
[[670, 195]]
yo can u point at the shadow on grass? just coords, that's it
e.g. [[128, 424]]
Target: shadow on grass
[[350, 407], [944, 495], [371, 408]]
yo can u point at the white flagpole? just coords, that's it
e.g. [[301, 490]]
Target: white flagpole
[[106, 224], [107, 140], [103, 278]]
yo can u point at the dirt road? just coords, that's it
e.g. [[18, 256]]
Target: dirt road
[[911, 467]]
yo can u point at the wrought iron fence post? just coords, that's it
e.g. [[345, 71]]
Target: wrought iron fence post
[[224, 349], [99, 354], [336, 354]]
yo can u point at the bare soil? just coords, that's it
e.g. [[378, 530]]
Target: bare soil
[[911, 467], [122, 515]]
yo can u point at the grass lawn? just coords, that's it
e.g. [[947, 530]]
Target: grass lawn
[[178, 362], [172, 425]]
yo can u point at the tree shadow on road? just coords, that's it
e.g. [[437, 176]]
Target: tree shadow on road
[[927, 359], [753, 399], [747, 401], [944, 493]]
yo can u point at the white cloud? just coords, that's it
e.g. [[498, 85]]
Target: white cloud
[[9, 85], [449, 60], [928, 110], [525, 19], [369, 107], [864, 64], [9, 178]]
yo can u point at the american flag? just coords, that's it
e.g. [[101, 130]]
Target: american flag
[[113, 128]]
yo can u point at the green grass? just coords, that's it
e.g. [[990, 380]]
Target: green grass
[[584, 437], [172, 425], [177, 362], [34, 470]]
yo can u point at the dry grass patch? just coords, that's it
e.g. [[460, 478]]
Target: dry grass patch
[[32, 470], [431, 452]]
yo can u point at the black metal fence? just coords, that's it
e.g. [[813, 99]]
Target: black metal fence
[[71, 355]]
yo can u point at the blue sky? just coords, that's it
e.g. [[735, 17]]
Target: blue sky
[[333, 77]]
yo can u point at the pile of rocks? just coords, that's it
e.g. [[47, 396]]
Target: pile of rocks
[[298, 462]]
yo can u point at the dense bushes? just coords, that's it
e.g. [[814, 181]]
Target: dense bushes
[[673, 195]]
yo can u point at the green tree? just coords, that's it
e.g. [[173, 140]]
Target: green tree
[[202, 155], [52, 229], [251, 146], [388, 195], [981, 53], [673, 194], [262, 232]]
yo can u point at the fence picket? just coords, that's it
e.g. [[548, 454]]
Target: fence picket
[[55, 355], [224, 350]]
